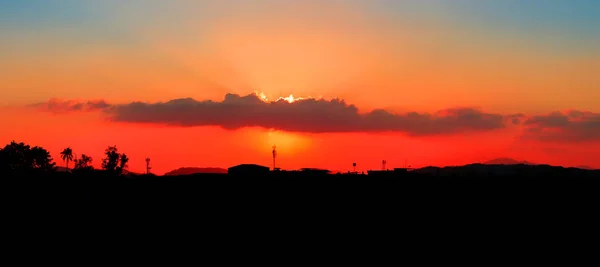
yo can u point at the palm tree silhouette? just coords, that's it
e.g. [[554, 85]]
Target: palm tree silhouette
[[67, 155]]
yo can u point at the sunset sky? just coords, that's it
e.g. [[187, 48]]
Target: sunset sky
[[202, 83]]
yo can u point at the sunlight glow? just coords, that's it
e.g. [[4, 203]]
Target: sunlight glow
[[290, 99], [291, 143], [261, 96]]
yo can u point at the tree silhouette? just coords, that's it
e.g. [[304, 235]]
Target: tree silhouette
[[67, 155], [111, 161], [41, 159], [114, 162], [20, 158], [123, 160], [84, 163], [14, 157]]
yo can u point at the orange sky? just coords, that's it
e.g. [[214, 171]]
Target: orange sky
[[359, 51]]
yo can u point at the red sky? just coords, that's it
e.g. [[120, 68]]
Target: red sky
[[171, 147], [427, 84]]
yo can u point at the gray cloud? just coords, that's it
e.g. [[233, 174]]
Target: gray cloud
[[308, 115], [60, 106], [328, 116], [571, 126]]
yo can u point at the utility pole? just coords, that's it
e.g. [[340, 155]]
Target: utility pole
[[274, 157], [148, 166]]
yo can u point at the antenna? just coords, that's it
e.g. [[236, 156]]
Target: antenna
[[274, 156], [383, 163], [148, 166], [354, 166]]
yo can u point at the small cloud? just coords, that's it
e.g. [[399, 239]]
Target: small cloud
[[65, 106], [570, 126]]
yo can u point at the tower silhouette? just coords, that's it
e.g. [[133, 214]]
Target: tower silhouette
[[383, 163], [148, 166], [354, 166], [274, 157]]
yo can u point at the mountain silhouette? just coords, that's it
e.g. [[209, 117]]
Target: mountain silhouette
[[507, 161], [192, 170], [584, 167]]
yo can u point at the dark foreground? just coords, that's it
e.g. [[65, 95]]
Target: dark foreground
[[415, 211], [425, 190]]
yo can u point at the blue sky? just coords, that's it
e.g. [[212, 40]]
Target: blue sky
[[570, 26], [574, 16]]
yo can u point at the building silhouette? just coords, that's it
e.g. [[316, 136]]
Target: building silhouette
[[314, 171], [397, 172]]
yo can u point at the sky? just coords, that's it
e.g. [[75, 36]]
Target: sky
[[207, 83]]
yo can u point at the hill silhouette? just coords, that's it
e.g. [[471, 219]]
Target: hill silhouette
[[194, 170], [584, 167], [507, 161]]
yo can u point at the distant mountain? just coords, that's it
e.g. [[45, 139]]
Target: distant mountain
[[506, 161], [584, 167], [191, 170]]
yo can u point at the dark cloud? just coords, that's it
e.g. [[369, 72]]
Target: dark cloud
[[309, 115], [63, 106], [571, 126], [327, 116]]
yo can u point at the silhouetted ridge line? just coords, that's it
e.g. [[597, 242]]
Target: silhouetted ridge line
[[194, 170], [506, 161]]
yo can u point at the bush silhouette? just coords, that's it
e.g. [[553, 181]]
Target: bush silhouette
[[20, 158]]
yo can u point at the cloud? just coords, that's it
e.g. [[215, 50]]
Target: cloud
[[329, 116], [569, 126], [64, 106], [299, 115], [305, 115]]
